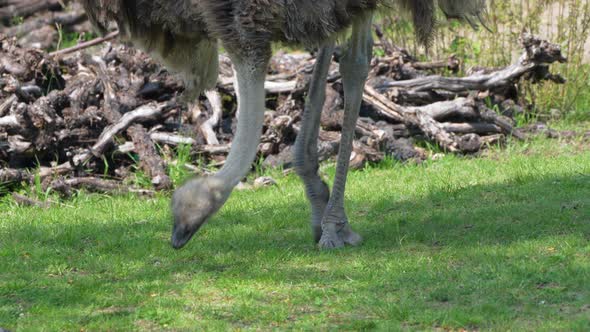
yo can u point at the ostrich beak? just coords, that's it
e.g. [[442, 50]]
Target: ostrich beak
[[181, 234]]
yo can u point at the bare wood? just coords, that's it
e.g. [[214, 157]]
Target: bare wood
[[95, 184], [414, 116], [111, 104], [207, 128], [62, 169], [493, 139], [367, 129], [383, 105], [62, 19], [280, 87], [214, 149], [24, 8], [10, 121], [500, 121], [125, 148], [147, 112], [464, 108], [6, 104], [27, 201], [10, 175], [18, 144], [537, 53], [88, 44], [149, 159], [452, 63], [473, 127], [271, 87], [171, 139]]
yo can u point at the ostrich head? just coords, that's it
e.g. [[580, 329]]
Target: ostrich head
[[193, 204]]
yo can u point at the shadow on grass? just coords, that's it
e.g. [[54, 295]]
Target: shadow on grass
[[470, 216], [94, 264]]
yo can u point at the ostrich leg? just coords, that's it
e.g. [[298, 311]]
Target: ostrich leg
[[354, 66], [200, 198], [306, 146]]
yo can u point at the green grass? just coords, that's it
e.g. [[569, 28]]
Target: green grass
[[497, 243]]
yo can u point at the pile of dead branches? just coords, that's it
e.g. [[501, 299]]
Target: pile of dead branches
[[75, 118]]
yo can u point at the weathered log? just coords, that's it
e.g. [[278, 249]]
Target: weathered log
[[24, 8], [271, 87], [411, 97], [493, 140], [171, 139], [415, 116], [49, 20], [9, 175], [452, 63], [369, 130], [537, 54], [65, 186], [363, 154], [174, 140], [27, 201], [149, 159], [84, 45], [403, 149], [149, 112], [501, 121], [208, 126], [18, 145], [471, 128], [470, 143], [6, 104], [10, 122]]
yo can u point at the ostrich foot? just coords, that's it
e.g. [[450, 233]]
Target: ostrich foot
[[338, 234], [350, 237], [319, 199]]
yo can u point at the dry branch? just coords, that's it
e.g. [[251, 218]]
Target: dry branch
[[208, 126], [51, 20], [24, 8], [27, 201], [65, 186], [538, 54], [149, 159], [85, 45], [150, 112], [414, 116]]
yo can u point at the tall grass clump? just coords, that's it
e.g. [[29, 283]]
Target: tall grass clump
[[565, 22]]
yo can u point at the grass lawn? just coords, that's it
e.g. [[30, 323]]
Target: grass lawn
[[496, 243]]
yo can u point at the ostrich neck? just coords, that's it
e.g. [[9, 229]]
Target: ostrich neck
[[251, 97]]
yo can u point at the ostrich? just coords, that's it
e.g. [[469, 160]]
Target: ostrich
[[184, 35]]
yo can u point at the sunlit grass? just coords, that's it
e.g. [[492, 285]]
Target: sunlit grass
[[497, 243]]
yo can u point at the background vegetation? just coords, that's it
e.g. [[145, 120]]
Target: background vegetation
[[566, 22]]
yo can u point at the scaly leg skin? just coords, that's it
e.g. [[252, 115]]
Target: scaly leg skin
[[306, 146], [354, 66]]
